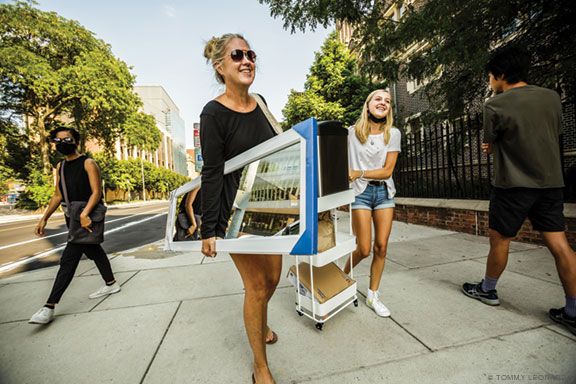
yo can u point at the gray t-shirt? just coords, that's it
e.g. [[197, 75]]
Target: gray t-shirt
[[524, 125]]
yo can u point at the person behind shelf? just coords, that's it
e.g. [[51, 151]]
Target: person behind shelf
[[83, 184], [229, 125], [522, 127], [191, 206], [374, 144]]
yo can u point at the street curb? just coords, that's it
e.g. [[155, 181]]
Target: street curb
[[14, 218]]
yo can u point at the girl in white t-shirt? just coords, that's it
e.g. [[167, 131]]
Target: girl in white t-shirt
[[373, 147]]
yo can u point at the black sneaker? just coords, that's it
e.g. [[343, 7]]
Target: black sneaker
[[475, 291], [560, 316]]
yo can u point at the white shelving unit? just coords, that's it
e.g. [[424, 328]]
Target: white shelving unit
[[345, 245]]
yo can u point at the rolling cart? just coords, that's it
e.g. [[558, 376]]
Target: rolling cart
[[331, 189]]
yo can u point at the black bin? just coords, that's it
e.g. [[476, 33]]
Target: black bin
[[332, 158]]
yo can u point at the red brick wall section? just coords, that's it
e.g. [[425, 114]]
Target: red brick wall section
[[469, 221]]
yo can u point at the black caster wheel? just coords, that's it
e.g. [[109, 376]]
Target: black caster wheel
[[356, 302], [319, 326], [299, 313]]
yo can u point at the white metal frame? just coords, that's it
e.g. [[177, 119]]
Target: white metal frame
[[256, 245]]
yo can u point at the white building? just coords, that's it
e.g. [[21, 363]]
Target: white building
[[171, 153]]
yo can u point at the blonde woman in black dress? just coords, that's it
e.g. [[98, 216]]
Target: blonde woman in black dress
[[229, 125]]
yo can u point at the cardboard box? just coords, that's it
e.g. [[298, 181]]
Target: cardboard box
[[329, 281]]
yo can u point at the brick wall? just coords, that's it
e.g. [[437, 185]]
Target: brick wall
[[407, 103], [469, 221]]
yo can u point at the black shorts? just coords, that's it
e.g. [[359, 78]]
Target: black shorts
[[510, 207]]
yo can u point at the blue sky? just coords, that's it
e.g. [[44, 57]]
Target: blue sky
[[164, 43]]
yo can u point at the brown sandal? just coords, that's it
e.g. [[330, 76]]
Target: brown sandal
[[274, 338]]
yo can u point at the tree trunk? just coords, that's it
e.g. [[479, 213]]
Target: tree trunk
[[44, 146], [80, 127]]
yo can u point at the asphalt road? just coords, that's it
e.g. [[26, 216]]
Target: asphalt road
[[126, 227]]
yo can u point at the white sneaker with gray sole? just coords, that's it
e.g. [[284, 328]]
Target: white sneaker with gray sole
[[373, 301], [43, 316], [106, 290]]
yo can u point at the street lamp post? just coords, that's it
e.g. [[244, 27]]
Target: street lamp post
[[142, 166]]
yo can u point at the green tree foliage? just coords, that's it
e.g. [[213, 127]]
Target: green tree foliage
[[6, 175], [303, 105], [333, 89], [454, 37], [126, 175], [141, 131], [52, 69], [14, 153], [104, 100], [51, 66], [41, 189], [304, 14]]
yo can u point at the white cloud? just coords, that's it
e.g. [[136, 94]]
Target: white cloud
[[169, 11]]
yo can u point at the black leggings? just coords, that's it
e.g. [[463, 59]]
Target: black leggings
[[69, 262]]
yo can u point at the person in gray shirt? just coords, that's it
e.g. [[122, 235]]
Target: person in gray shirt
[[522, 125]]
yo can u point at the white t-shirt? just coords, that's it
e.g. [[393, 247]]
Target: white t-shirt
[[371, 155]]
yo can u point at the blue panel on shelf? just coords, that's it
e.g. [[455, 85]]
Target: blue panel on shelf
[[307, 244]]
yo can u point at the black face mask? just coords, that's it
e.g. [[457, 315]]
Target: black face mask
[[66, 148], [376, 120]]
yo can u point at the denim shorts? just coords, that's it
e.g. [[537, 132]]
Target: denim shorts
[[373, 198]]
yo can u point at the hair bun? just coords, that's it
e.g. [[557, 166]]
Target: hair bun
[[215, 51], [209, 49]]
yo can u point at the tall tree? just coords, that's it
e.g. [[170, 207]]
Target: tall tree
[[453, 37], [51, 66], [141, 131], [333, 89], [103, 104]]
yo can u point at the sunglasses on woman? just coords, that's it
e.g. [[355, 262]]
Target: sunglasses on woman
[[238, 54], [67, 140]]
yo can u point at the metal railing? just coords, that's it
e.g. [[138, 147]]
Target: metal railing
[[445, 160]]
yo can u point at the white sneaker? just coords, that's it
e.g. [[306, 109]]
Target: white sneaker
[[43, 316], [106, 290], [374, 302]]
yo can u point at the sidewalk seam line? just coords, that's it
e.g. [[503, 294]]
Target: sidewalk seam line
[[494, 337], [533, 277], [383, 363], [412, 335], [175, 301], [156, 269], [437, 264], [407, 331], [107, 296], [557, 332], [160, 343], [170, 266], [365, 366]]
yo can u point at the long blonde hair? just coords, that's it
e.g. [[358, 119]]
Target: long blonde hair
[[362, 127], [215, 51]]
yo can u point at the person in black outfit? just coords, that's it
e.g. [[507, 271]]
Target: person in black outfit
[[229, 125], [83, 184], [191, 205]]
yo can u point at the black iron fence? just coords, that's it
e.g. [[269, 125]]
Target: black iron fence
[[445, 160]]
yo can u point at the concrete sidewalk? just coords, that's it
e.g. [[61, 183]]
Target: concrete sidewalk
[[178, 319]]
